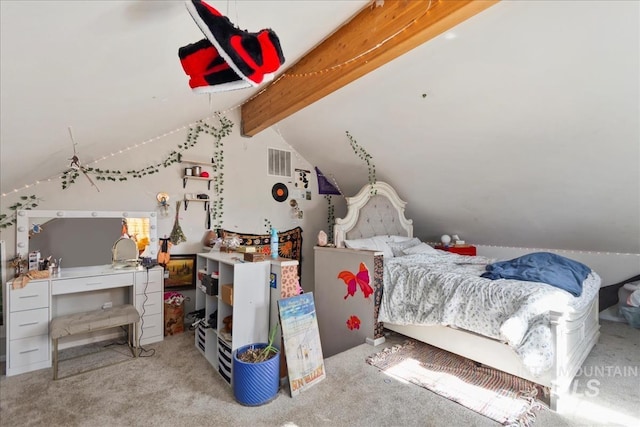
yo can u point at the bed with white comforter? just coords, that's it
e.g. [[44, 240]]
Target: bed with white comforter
[[526, 328], [446, 289]]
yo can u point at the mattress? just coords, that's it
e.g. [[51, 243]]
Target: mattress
[[446, 289]]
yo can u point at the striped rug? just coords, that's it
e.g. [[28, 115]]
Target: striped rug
[[505, 398]]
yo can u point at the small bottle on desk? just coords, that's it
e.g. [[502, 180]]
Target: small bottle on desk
[[274, 243]]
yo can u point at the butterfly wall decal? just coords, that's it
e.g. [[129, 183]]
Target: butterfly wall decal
[[361, 279]]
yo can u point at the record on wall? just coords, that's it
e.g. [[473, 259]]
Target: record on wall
[[279, 192]]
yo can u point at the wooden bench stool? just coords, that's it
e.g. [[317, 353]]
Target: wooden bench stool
[[88, 321]]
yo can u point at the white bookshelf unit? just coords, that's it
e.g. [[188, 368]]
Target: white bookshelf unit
[[250, 307]]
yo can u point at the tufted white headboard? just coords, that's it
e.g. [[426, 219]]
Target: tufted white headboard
[[375, 210]]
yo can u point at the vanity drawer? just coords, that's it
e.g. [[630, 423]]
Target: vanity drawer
[[153, 305], [151, 326], [155, 278], [34, 295], [29, 323], [91, 283], [27, 351]]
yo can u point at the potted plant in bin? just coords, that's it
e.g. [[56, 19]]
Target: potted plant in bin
[[256, 372]]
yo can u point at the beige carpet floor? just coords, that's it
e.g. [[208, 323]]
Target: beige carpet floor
[[177, 387]]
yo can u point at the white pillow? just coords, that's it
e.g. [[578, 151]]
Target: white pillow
[[398, 239], [398, 247], [370, 244], [422, 248]]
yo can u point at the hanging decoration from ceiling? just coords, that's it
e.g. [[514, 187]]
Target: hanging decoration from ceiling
[[228, 58], [75, 166]]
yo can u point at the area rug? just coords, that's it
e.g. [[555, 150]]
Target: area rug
[[507, 399]]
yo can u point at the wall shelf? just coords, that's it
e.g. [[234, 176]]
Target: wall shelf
[[197, 162], [197, 178], [206, 203]]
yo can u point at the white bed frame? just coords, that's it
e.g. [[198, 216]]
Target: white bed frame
[[574, 335]]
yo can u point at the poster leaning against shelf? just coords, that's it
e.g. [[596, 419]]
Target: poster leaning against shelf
[[301, 342]]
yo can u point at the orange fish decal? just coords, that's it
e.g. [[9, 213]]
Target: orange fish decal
[[354, 280]]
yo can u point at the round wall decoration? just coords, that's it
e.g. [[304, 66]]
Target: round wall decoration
[[279, 192]]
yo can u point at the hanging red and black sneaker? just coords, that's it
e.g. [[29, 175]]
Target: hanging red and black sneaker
[[208, 71], [253, 56]]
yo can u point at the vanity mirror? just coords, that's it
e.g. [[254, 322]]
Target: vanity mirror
[[81, 238]]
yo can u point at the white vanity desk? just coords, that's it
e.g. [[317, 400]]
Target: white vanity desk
[[30, 309], [77, 289]]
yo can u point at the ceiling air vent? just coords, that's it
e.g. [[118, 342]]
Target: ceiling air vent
[[279, 162]]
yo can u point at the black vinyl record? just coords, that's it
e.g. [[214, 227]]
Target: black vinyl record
[[279, 192]]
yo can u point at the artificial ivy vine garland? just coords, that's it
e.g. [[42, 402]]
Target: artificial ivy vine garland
[[26, 203], [331, 216], [217, 205], [366, 157], [69, 176]]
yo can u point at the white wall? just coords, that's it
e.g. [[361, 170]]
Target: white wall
[[247, 192]]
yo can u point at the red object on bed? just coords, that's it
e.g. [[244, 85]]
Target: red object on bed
[[460, 250]]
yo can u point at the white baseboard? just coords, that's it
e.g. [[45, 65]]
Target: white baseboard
[[375, 342]]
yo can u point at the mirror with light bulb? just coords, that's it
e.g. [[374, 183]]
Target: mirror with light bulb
[[83, 238]]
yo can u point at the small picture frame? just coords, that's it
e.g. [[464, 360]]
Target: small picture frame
[[180, 272]]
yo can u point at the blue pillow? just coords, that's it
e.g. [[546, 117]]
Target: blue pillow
[[545, 267]]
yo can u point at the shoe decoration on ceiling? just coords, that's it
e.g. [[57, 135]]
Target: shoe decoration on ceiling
[[228, 58]]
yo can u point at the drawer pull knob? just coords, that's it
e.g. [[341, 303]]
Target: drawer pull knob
[[29, 351], [29, 324]]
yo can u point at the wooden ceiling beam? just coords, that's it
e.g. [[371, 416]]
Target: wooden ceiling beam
[[353, 51]]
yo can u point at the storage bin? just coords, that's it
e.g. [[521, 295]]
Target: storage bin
[[173, 319], [210, 284], [227, 294]]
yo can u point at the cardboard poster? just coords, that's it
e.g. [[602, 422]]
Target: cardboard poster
[[301, 339]]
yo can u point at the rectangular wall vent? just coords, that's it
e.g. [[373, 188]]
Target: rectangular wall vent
[[279, 162]]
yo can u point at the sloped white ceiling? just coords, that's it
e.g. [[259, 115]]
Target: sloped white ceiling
[[110, 71], [528, 134]]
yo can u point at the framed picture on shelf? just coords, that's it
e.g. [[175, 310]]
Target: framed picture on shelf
[[180, 272]]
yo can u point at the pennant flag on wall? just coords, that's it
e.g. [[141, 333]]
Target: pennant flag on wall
[[324, 186]]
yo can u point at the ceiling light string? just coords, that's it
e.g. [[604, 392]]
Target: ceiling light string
[[228, 110], [113, 154], [295, 152]]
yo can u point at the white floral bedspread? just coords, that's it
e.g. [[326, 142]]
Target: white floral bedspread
[[446, 289]]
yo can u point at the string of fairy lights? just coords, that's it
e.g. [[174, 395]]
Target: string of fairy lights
[[228, 110]]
